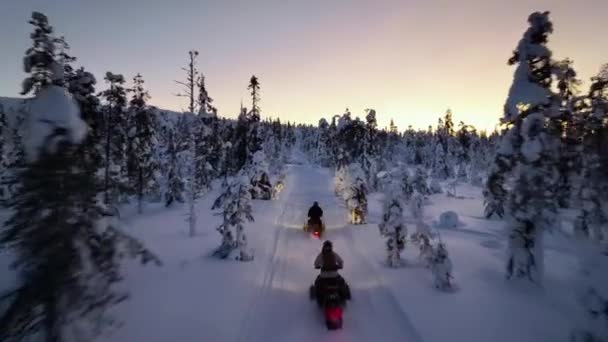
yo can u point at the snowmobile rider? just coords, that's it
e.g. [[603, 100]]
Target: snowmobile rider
[[329, 262], [314, 214]]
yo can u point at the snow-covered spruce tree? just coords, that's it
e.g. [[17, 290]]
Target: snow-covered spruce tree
[[67, 257], [259, 180], [392, 226], [355, 194], [115, 134], [235, 204], [531, 107], [593, 220], [142, 137]]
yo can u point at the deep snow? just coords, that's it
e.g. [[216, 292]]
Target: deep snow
[[194, 297]]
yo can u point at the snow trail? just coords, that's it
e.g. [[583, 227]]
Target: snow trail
[[282, 311]]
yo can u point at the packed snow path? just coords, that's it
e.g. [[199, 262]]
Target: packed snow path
[[281, 309]]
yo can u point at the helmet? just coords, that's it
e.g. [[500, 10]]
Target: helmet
[[315, 203], [327, 245]]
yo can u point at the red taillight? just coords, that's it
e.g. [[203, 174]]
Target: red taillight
[[333, 314], [315, 234]]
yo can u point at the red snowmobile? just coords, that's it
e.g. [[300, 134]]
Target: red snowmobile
[[331, 298]]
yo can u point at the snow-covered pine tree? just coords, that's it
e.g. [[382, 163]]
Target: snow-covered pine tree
[[478, 165], [465, 136], [241, 141], [567, 127], [593, 221], [419, 182], [67, 257], [495, 194], [115, 134], [443, 167], [203, 170], [4, 163], [531, 108], [81, 84], [64, 60], [323, 155], [235, 204], [254, 139], [15, 155], [271, 146], [407, 188], [175, 184], [370, 149], [205, 106], [208, 145], [350, 139], [143, 126], [594, 299], [191, 150], [40, 60]]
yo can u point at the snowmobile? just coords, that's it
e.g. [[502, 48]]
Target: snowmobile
[[332, 300], [316, 228]]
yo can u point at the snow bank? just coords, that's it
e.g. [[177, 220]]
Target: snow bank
[[448, 220], [53, 118]]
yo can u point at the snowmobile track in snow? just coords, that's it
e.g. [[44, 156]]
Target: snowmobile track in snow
[[281, 309]]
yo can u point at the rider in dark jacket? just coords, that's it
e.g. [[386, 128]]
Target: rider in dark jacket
[[315, 213], [329, 262]]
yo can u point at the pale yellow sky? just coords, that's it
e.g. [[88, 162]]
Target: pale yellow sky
[[409, 60]]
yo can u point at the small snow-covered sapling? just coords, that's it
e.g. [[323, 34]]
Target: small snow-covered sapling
[[441, 267]]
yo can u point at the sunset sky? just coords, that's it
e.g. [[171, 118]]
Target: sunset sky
[[409, 60]]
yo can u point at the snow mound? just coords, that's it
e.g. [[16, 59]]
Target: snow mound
[[448, 220], [435, 187], [54, 118]]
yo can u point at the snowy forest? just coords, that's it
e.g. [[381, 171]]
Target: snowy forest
[[88, 166]]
